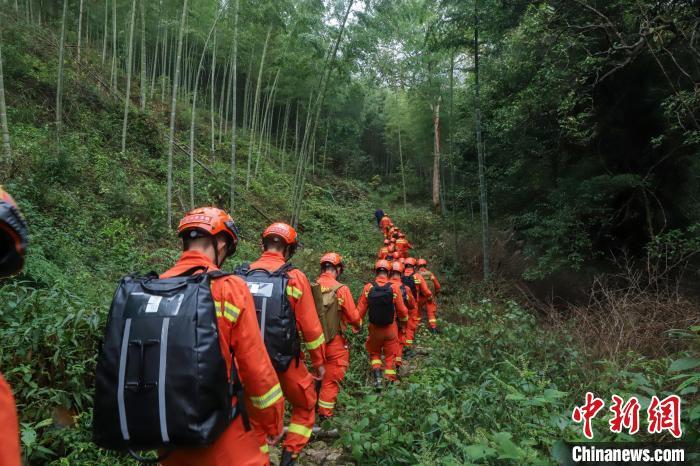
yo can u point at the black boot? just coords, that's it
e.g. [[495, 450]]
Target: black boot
[[377, 379], [288, 458]]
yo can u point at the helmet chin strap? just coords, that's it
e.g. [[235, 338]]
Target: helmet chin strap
[[215, 245]]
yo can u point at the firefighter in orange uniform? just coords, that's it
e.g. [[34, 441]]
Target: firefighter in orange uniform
[[397, 269], [209, 236], [434, 285], [337, 353], [384, 250], [385, 224], [279, 242], [383, 300], [13, 245], [402, 245], [425, 296]]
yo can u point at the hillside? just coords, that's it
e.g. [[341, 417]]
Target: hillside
[[497, 386]]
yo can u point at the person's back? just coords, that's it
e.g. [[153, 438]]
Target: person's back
[[337, 352], [13, 244], [378, 215], [433, 284], [382, 337], [238, 335], [279, 242]]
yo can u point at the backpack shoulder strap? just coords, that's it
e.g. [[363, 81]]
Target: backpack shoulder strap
[[336, 288], [242, 269], [192, 270], [288, 266]]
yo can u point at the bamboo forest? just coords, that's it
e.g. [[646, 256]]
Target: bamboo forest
[[349, 232]]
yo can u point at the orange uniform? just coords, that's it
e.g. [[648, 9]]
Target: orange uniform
[[238, 330], [337, 353], [424, 294], [430, 304], [383, 339], [9, 427], [297, 382], [383, 252], [384, 224], [406, 333], [402, 247]]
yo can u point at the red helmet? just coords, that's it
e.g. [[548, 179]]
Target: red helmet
[[397, 266], [282, 230], [209, 221], [410, 261], [422, 262], [13, 236], [386, 241], [382, 264], [332, 258]]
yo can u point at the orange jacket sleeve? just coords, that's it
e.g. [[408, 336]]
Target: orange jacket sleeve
[[236, 315], [362, 304], [9, 427], [347, 304], [399, 303], [304, 306], [423, 289]]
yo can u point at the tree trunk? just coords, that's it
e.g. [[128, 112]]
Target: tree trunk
[[256, 102], [80, 27], [104, 38], [144, 84], [265, 123], [114, 46], [212, 81], [7, 150], [127, 93], [194, 106], [455, 233], [283, 143], [222, 95], [403, 169], [483, 199], [173, 106], [233, 104], [154, 63], [59, 84], [325, 148], [436, 155]]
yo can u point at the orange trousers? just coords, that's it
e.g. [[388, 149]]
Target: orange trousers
[[383, 340], [337, 362], [9, 427], [298, 388], [431, 311], [234, 447], [411, 326]]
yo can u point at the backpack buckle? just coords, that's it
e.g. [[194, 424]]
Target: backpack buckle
[[140, 385]]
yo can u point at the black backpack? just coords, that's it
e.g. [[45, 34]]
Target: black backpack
[[278, 325], [161, 380], [381, 304], [410, 281]]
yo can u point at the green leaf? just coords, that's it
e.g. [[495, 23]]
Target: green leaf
[[506, 448], [477, 452], [684, 364]]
